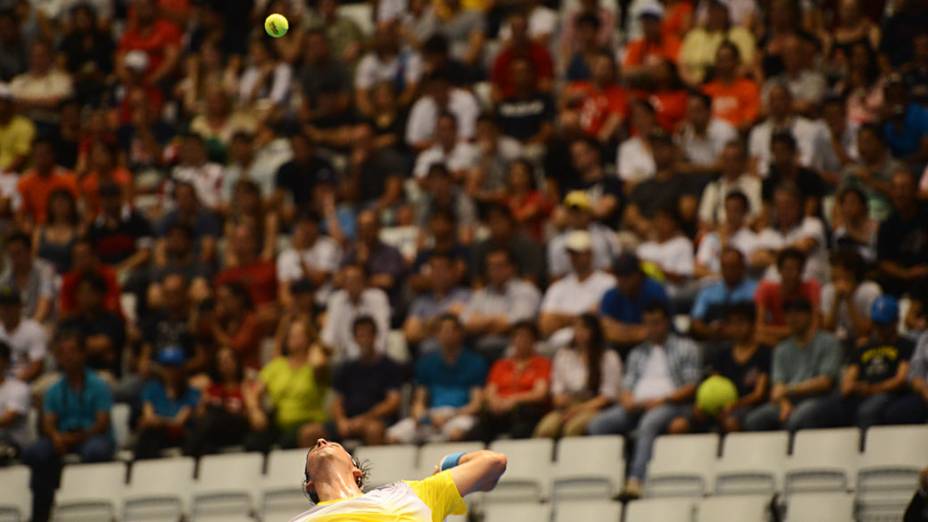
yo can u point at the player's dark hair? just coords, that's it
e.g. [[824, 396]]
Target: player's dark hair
[[363, 465]]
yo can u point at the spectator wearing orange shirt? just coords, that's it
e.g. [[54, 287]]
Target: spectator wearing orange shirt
[[603, 103], [735, 99], [37, 184], [644, 54], [235, 324], [516, 394], [668, 96], [259, 276], [102, 170], [158, 38]]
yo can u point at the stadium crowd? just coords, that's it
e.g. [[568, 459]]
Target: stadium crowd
[[567, 215]]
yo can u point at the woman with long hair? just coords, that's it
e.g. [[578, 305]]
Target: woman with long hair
[[295, 384], [221, 416], [862, 85], [236, 324], [529, 206], [54, 239], [585, 378]]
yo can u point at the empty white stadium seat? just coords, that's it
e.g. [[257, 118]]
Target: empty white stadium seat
[[227, 485], [119, 419], [388, 463], [743, 508], [158, 490], [431, 454], [823, 460], [660, 510], [818, 507], [751, 463], [889, 466], [282, 493], [15, 497], [587, 511], [528, 474], [588, 467], [517, 512], [681, 465], [90, 491]]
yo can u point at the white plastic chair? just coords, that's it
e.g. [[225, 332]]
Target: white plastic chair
[[528, 474], [431, 454], [119, 419], [823, 460], [226, 485], [588, 467], [744, 508], [888, 471], [158, 490], [587, 511], [282, 493], [90, 491], [751, 463], [517, 512], [388, 464], [15, 497], [660, 510], [816, 507], [681, 465]]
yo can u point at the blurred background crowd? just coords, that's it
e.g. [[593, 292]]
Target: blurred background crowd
[[417, 220]]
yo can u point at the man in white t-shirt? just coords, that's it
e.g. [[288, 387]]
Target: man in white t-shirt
[[459, 156], [792, 229], [195, 168], [355, 299], [732, 232], [812, 137], [848, 297], [734, 177], [25, 337], [702, 136], [576, 293], [440, 97], [311, 255], [15, 402]]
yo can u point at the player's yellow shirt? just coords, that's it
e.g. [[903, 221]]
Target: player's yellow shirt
[[429, 500]]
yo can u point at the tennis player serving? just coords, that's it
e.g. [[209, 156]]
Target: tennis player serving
[[334, 480]]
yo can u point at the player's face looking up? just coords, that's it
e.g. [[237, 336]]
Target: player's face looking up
[[329, 463]]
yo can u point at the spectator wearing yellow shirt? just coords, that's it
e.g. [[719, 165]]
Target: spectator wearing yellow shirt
[[295, 384], [697, 55], [16, 134]]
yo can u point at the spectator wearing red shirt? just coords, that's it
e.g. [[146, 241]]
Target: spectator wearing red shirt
[[517, 388], [603, 102], [735, 99], [520, 45], [158, 38], [530, 206], [37, 184], [102, 169], [644, 54], [668, 97], [771, 295], [258, 276], [84, 260], [235, 325]]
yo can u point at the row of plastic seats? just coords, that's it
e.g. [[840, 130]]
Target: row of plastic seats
[[801, 507], [577, 467]]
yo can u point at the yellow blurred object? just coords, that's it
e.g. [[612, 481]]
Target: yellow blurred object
[[653, 270]]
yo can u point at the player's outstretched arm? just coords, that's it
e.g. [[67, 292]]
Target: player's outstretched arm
[[475, 471]]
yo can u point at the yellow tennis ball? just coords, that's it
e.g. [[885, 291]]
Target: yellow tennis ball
[[276, 25]]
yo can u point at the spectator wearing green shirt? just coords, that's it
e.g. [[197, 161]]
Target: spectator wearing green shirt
[[295, 386], [806, 367]]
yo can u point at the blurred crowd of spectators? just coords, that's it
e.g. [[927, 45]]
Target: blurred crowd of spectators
[[556, 217]]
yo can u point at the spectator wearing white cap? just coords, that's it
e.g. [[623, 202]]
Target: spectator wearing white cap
[[578, 292], [579, 213]]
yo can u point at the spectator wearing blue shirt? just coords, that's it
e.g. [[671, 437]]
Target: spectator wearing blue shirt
[[709, 310], [622, 307], [449, 390], [907, 124], [168, 405], [76, 419]]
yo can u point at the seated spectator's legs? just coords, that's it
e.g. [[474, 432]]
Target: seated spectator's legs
[[612, 420], [151, 441], [872, 410], [764, 418], [654, 422], [45, 464], [261, 441], [215, 429], [99, 448], [907, 409], [457, 428], [810, 414], [519, 423], [549, 427]]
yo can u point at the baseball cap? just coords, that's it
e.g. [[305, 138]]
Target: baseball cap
[[797, 304], [626, 265], [171, 356], [579, 241], [651, 11], [578, 199], [9, 296], [884, 310]]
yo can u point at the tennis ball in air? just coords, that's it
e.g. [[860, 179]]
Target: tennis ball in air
[[715, 393], [276, 25]]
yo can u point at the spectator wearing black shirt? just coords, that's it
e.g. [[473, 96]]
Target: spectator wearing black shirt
[[527, 114], [528, 255], [784, 166], [665, 189], [170, 325], [104, 331], [589, 175], [88, 53], [367, 390], [321, 69], [902, 241], [877, 374], [745, 363], [297, 179], [376, 173], [188, 212], [120, 235]]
